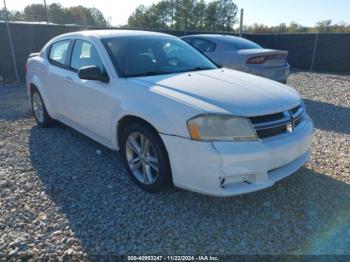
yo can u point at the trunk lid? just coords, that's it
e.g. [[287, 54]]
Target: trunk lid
[[266, 57]]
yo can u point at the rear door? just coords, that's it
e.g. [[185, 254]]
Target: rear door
[[55, 81]]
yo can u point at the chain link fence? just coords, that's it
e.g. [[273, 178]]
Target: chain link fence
[[26, 38], [324, 52], [320, 52]]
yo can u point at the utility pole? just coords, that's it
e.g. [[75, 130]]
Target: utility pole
[[11, 44], [47, 15], [241, 23], [314, 52]]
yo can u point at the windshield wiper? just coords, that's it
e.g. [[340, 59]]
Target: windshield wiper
[[198, 68], [160, 72], [151, 73]]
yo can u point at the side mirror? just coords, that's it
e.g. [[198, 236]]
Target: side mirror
[[93, 73]]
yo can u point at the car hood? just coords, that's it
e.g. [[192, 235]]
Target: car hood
[[224, 91]]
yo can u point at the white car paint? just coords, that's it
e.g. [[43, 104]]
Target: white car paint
[[166, 102]]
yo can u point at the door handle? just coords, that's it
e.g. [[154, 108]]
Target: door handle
[[69, 79]]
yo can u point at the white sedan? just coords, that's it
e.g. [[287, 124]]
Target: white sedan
[[176, 118]]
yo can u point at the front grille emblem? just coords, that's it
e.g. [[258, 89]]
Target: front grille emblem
[[290, 126], [278, 123]]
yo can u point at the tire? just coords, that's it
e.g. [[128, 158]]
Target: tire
[[145, 173], [39, 109]]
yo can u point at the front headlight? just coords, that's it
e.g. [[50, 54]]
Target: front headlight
[[220, 128]]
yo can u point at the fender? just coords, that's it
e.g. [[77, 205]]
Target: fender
[[35, 80], [142, 109]]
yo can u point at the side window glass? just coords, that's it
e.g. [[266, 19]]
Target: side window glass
[[85, 54], [204, 45], [188, 40], [59, 51]]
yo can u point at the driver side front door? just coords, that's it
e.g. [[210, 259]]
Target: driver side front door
[[88, 100]]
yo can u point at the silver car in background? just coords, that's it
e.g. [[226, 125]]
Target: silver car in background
[[241, 54]]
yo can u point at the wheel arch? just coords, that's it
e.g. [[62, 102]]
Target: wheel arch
[[128, 119], [124, 121], [36, 83]]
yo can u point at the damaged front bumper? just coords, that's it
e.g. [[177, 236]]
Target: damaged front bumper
[[233, 168]]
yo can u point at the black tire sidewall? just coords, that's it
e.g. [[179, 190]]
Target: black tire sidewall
[[47, 119], [164, 179]]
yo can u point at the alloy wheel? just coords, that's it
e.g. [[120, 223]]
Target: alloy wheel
[[38, 107], [142, 158]]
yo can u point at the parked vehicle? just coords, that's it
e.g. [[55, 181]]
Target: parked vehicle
[[241, 54], [175, 117]]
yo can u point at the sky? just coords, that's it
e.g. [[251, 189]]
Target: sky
[[269, 12]]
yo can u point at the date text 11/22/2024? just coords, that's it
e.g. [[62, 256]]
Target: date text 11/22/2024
[[173, 258]]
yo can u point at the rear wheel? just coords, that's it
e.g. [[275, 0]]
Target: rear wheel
[[145, 158], [39, 110]]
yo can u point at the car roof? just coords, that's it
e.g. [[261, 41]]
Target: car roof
[[215, 36], [104, 33], [221, 40]]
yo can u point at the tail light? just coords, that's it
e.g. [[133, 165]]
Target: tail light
[[262, 59], [257, 60]]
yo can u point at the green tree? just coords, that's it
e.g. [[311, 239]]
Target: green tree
[[293, 27], [281, 28], [221, 15], [210, 17], [296, 28], [57, 14], [16, 16], [341, 27], [191, 14], [324, 26], [227, 14], [2, 14], [184, 12], [12, 16], [259, 28], [159, 15], [139, 19], [186, 15], [198, 15], [35, 12], [80, 15], [174, 10], [98, 17]]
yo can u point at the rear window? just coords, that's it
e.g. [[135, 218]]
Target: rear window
[[202, 45], [59, 51], [241, 43]]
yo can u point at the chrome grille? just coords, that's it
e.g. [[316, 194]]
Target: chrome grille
[[279, 123]]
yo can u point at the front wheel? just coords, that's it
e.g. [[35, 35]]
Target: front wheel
[[145, 158]]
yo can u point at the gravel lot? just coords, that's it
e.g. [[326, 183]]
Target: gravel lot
[[59, 197]]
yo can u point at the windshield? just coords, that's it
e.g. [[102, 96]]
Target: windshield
[[240, 43], [144, 56]]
